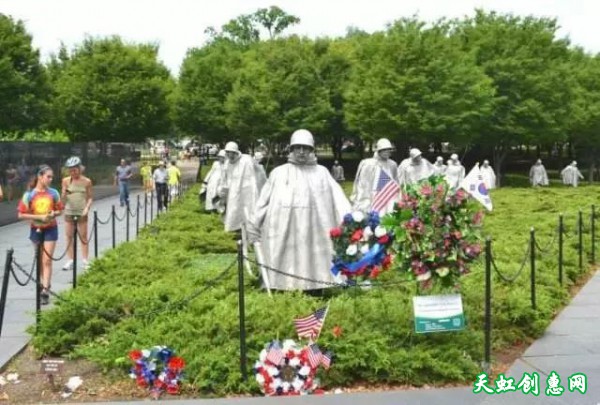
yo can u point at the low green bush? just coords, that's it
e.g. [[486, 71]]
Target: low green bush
[[154, 291]]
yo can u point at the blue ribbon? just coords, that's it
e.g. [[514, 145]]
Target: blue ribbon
[[372, 257]]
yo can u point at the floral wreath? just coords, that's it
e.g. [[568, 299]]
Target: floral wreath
[[361, 246], [286, 371], [157, 369], [438, 232]]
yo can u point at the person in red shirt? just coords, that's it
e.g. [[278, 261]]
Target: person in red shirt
[[41, 205]]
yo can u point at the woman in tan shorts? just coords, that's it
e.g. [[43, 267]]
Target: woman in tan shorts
[[77, 197]]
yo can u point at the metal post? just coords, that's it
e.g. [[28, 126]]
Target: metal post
[[38, 279], [242, 308], [95, 234], [488, 304], [7, 264], [137, 217], [145, 209], [593, 232], [532, 254], [75, 236], [151, 205], [580, 245], [127, 222], [113, 215], [561, 230]]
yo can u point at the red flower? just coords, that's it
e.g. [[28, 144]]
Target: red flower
[[135, 355], [173, 389], [335, 232], [141, 381], [337, 331], [387, 260], [158, 383], [375, 272], [176, 363], [357, 235], [384, 239]]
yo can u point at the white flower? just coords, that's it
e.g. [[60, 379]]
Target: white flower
[[286, 386], [304, 370], [380, 231], [276, 383], [146, 353], [272, 371], [352, 249], [260, 379], [297, 384], [294, 362], [367, 233], [288, 344], [424, 276], [358, 216], [364, 249], [263, 355], [442, 271]]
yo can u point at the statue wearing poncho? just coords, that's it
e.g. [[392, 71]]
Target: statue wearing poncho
[[297, 207], [239, 187], [455, 172], [538, 175], [212, 181], [418, 168], [367, 177]]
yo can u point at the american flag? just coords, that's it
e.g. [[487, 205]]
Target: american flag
[[311, 325], [274, 353], [386, 190], [314, 355], [326, 359]]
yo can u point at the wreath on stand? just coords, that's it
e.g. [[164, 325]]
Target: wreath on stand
[[157, 369], [361, 245]]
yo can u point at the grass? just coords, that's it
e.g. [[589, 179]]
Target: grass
[[165, 295]]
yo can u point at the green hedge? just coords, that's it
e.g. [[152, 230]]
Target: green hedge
[[135, 297]]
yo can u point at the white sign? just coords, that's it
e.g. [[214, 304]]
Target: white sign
[[438, 313]]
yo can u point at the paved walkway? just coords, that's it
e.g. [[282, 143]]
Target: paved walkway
[[20, 308]]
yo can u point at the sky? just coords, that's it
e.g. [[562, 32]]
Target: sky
[[177, 25]]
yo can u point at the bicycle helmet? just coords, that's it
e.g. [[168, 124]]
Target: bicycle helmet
[[73, 161]]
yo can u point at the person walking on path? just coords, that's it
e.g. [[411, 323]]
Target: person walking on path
[[122, 176], [174, 180], [41, 205], [77, 196], [146, 174], [161, 179]]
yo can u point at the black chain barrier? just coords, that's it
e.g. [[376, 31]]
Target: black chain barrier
[[90, 238], [323, 282], [549, 245], [122, 218], [59, 258], [104, 222], [511, 280], [30, 276]]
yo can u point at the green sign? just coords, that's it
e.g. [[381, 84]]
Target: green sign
[[438, 313]]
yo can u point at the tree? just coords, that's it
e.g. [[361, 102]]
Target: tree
[[528, 66], [275, 20], [23, 81], [584, 122], [111, 91], [206, 78], [278, 91], [414, 85]]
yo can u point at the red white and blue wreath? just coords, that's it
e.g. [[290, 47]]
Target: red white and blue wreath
[[289, 369], [157, 369], [361, 246]]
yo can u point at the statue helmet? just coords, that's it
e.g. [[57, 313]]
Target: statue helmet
[[414, 152], [454, 157], [232, 147], [302, 137], [221, 153], [383, 144]]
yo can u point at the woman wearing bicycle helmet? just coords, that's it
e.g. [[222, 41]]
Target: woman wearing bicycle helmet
[[77, 195], [41, 205]]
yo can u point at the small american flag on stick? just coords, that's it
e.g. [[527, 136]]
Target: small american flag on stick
[[385, 192], [310, 326]]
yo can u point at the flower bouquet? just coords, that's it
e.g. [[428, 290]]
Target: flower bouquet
[[437, 232], [289, 369], [157, 369], [361, 246]]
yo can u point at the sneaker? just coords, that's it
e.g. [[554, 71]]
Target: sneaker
[[86, 264], [68, 266], [45, 297]]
